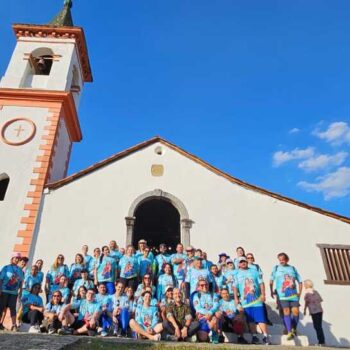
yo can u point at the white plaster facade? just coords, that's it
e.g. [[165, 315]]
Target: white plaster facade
[[92, 209]]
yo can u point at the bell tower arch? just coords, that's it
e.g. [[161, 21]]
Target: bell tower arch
[[38, 120]]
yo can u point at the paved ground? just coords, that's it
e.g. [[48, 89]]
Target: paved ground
[[16, 341]]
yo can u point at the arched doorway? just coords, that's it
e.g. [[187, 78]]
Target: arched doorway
[[157, 221]]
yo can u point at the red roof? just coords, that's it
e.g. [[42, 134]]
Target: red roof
[[194, 158]]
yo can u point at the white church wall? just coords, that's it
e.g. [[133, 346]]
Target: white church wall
[[92, 211], [61, 153], [18, 163]]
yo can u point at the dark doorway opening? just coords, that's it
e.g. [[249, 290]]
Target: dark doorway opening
[[157, 221], [4, 183]]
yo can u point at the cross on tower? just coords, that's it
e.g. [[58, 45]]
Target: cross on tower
[[19, 130]]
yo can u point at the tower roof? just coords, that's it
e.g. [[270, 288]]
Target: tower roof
[[64, 17]]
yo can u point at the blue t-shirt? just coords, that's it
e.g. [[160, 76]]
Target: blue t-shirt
[[116, 255], [140, 289], [30, 280], [86, 309], [31, 299], [207, 264], [179, 269], [65, 291], [229, 275], [194, 275], [145, 266], [219, 282], [248, 283], [106, 270], [12, 277], [128, 267], [55, 309], [161, 261], [87, 260], [164, 281], [126, 303], [105, 302], [284, 279], [146, 317], [228, 308], [205, 303], [94, 262], [80, 282], [75, 272], [53, 276]]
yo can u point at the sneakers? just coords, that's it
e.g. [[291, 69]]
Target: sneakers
[[2, 328], [65, 331], [290, 336], [103, 334], [34, 329], [241, 340], [52, 330], [170, 337], [214, 337], [255, 340], [266, 340]]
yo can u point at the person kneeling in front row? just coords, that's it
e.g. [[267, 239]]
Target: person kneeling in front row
[[179, 323]]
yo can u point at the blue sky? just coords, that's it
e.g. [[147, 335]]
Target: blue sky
[[259, 89]]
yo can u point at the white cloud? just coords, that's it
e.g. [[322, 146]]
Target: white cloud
[[337, 133], [332, 185], [323, 161], [294, 131], [280, 157]]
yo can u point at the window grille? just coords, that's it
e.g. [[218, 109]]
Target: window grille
[[336, 261]]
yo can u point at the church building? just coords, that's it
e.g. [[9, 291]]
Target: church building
[[154, 190]]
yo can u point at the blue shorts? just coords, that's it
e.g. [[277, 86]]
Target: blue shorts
[[255, 314], [203, 325]]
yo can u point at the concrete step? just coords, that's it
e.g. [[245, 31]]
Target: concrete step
[[275, 339]]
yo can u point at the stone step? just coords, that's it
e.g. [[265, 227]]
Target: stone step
[[275, 339]]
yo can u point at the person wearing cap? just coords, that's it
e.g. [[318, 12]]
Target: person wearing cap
[[146, 323], [83, 281], [11, 278], [162, 258], [164, 281], [178, 261], [222, 262], [194, 274], [129, 268], [179, 323], [75, 269], [229, 275], [249, 292], [206, 305], [142, 244], [284, 279]]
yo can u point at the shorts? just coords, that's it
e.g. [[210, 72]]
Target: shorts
[[204, 325], [289, 304], [8, 300], [255, 314]]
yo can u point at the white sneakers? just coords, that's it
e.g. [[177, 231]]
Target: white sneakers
[[34, 329]]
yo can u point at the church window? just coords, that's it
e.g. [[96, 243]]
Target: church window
[[336, 261], [159, 150], [41, 61], [4, 183]]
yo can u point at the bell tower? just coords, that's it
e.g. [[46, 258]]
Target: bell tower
[[39, 98]]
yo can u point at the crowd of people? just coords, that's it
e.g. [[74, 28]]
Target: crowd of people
[[151, 294]]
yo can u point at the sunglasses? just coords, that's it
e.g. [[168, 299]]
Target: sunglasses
[[56, 296], [203, 285], [250, 258]]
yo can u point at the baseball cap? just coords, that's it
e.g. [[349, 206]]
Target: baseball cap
[[242, 258], [142, 241], [168, 288], [229, 261], [189, 248], [16, 255]]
